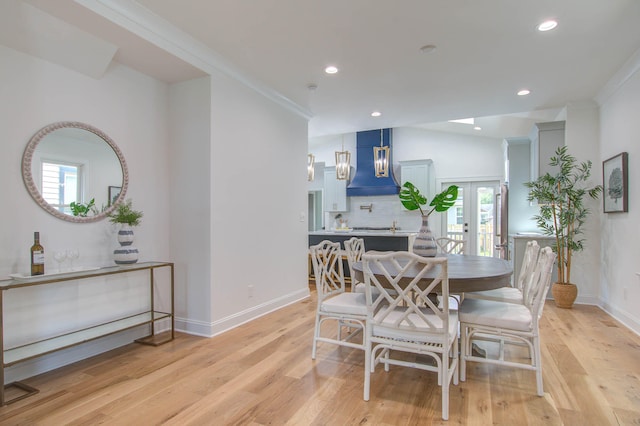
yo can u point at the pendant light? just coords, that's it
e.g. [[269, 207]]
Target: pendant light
[[381, 158], [343, 166], [311, 172]]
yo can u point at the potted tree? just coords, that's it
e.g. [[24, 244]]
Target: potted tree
[[127, 217], [562, 214], [412, 199]]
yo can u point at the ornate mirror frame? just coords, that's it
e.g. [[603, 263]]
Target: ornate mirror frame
[[32, 188]]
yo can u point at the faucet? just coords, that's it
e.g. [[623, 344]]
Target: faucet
[[393, 227]]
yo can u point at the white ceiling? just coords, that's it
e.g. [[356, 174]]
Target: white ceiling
[[486, 51]]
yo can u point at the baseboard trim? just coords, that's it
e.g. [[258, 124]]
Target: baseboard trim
[[628, 320], [201, 328]]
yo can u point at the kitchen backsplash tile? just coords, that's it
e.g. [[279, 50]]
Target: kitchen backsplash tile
[[384, 210]]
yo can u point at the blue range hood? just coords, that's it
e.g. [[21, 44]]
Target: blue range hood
[[365, 181]]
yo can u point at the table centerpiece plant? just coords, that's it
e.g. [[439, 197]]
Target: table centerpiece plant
[[127, 217], [412, 199], [561, 199]]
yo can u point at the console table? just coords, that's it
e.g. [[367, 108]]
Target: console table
[[34, 349]]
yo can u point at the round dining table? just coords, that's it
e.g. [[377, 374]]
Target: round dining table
[[466, 272]]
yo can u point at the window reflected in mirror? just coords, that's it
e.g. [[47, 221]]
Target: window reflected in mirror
[[60, 185]]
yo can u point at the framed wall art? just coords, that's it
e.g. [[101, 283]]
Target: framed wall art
[[114, 193], [615, 183]]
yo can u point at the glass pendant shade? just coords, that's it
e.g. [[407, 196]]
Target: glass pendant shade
[[381, 160], [311, 172], [343, 167], [381, 157]]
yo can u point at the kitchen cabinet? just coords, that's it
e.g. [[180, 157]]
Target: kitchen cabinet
[[335, 192], [421, 174], [545, 138]]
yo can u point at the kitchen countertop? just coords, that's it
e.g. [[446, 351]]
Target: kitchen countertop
[[531, 236], [366, 233]]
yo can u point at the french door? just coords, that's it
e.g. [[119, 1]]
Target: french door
[[474, 216]]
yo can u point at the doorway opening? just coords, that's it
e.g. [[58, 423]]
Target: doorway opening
[[314, 214]]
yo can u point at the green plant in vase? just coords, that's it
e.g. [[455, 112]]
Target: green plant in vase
[[124, 213], [128, 217], [561, 198], [412, 199]]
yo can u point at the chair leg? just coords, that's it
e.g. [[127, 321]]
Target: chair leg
[[456, 360], [316, 334], [367, 371], [445, 393], [537, 359], [386, 357], [463, 353]]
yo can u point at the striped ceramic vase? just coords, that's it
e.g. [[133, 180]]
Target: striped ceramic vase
[[425, 244], [127, 253]]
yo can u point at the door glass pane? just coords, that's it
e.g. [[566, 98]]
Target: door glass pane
[[486, 210], [455, 218]]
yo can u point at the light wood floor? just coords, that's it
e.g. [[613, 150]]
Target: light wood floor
[[262, 373]]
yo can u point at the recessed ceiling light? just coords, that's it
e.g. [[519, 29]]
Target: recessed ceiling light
[[331, 69], [547, 25], [477, 128], [524, 92], [376, 114], [428, 48]]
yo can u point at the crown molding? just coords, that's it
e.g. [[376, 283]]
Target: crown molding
[[145, 24], [619, 78]]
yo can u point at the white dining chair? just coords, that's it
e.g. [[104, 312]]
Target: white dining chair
[[518, 292], [354, 249], [505, 323], [348, 310], [407, 320], [451, 246]]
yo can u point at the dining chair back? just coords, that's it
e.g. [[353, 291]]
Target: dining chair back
[[506, 323], [451, 246], [354, 249], [327, 268], [519, 291], [348, 310], [401, 317]]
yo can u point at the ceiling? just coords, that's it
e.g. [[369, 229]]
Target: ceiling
[[485, 52]]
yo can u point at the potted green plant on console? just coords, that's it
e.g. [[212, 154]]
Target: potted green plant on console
[[412, 199], [125, 215], [562, 214]]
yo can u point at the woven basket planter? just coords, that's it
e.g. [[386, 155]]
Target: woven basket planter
[[564, 294]]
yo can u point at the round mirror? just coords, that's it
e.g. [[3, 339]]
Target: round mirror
[[74, 171]]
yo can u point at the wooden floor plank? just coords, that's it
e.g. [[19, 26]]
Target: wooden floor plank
[[262, 373]]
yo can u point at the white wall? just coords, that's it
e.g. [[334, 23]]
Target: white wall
[[620, 232], [258, 204], [520, 210], [582, 141], [455, 157], [238, 167], [190, 195], [129, 107]]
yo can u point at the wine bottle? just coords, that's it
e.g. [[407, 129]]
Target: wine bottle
[[37, 256]]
